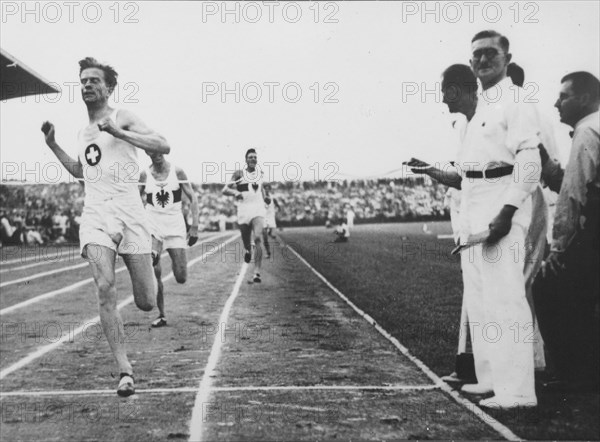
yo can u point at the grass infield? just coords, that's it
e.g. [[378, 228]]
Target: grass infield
[[407, 281]]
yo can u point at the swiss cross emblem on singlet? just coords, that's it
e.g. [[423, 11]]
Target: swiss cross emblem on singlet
[[92, 154]]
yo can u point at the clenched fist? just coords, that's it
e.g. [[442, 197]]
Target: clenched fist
[[192, 235], [108, 125], [48, 129], [501, 224]]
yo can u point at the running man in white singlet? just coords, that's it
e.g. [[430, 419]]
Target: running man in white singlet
[[163, 184], [270, 220], [114, 220], [247, 187]]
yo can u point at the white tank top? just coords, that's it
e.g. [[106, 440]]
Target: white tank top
[[163, 197], [250, 185], [110, 165]]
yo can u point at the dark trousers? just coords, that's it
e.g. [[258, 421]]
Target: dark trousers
[[566, 306], [18, 237]]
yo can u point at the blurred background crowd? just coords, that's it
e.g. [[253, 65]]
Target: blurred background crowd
[[40, 213]]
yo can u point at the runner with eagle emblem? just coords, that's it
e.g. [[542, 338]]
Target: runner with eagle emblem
[[163, 184], [246, 186]]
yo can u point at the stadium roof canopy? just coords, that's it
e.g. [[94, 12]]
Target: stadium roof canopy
[[19, 80]]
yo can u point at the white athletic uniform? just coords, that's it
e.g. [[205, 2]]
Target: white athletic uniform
[[164, 210], [113, 214], [252, 205], [270, 221], [343, 230], [350, 217]]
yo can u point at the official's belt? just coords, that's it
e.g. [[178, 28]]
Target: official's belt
[[490, 173]]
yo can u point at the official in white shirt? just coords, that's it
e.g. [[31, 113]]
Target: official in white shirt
[[500, 166]]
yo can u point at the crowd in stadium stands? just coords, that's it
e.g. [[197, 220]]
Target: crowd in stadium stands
[[41, 213], [371, 200]]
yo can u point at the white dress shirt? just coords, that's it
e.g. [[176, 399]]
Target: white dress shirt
[[503, 132], [581, 174]]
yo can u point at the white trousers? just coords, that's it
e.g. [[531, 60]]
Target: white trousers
[[500, 319]]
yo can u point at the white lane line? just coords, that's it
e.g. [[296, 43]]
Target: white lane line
[[482, 415], [330, 387], [55, 260], [281, 405], [209, 371], [37, 264], [53, 272], [71, 287], [41, 275], [50, 294], [16, 260], [71, 251], [225, 389], [47, 348], [95, 392], [445, 236]]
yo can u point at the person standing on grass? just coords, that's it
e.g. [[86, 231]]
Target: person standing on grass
[[342, 231], [499, 141], [537, 231], [502, 141], [567, 291], [114, 220], [459, 91], [350, 216]]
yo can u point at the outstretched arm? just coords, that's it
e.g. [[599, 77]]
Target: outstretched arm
[[132, 129], [191, 195], [73, 166], [449, 178]]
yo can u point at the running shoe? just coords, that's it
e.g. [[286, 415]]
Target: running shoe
[[126, 387], [159, 322]]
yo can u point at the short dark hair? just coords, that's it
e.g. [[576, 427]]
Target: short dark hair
[[516, 74], [249, 151], [492, 34], [459, 75], [583, 83], [110, 75]]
